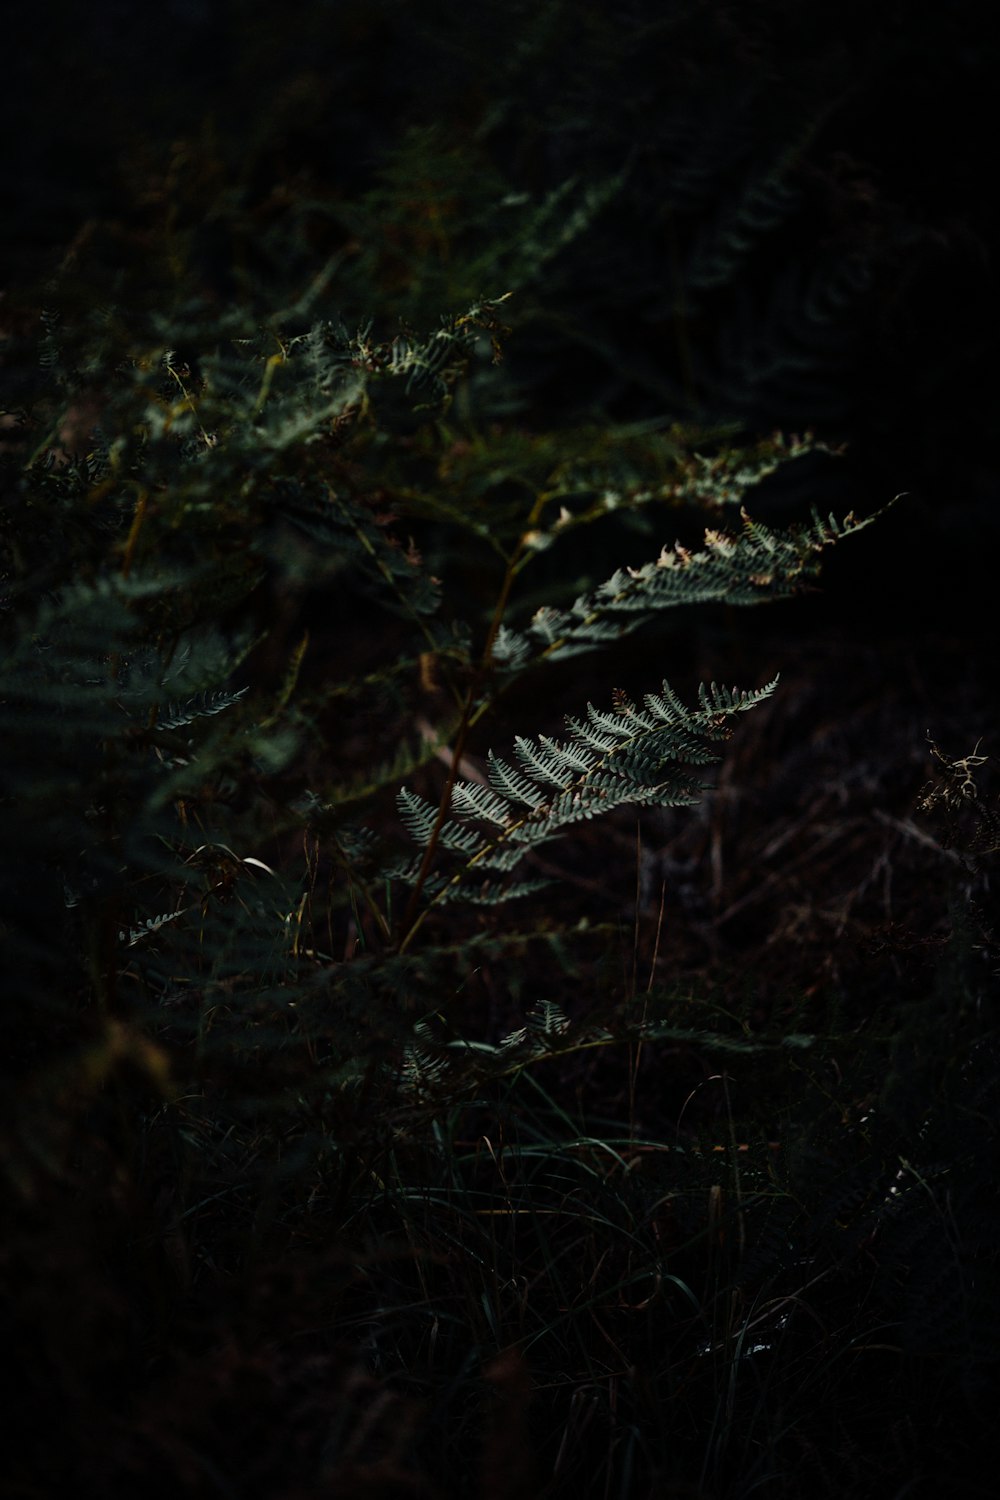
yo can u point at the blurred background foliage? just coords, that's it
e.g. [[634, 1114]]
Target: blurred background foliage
[[743, 213], [746, 215]]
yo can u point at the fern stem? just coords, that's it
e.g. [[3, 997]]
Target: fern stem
[[138, 519]]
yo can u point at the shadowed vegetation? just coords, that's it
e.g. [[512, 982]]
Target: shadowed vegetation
[[459, 1042]]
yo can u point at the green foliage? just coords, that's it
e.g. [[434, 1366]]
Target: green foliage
[[265, 622], [259, 466], [626, 758]]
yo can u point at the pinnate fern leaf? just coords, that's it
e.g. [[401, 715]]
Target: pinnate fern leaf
[[618, 757], [749, 567]]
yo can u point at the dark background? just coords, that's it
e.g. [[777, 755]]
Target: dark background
[[804, 235], [886, 108]]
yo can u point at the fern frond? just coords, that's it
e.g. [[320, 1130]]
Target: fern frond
[[543, 762], [548, 1019], [488, 894], [625, 756], [508, 782], [418, 815], [722, 700], [205, 705], [753, 566], [510, 649], [666, 705], [476, 801]]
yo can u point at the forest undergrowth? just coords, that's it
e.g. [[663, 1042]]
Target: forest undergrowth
[[458, 1043], [641, 1168]]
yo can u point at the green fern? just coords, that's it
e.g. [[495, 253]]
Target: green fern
[[625, 756], [240, 1062], [756, 565]]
